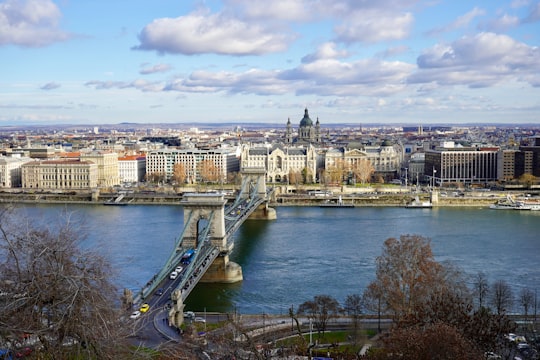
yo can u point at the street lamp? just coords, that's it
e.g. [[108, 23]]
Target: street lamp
[[406, 178]]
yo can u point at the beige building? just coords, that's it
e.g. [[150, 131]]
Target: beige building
[[59, 175], [386, 158], [280, 161], [506, 164], [107, 165]]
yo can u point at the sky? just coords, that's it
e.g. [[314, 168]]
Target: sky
[[265, 61]]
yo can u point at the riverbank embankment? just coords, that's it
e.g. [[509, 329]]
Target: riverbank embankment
[[166, 198]]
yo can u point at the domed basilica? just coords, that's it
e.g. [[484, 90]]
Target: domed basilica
[[307, 132]]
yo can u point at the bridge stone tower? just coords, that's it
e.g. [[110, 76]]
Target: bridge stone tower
[[257, 177], [209, 208]]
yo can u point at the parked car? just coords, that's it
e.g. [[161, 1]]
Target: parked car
[[199, 319], [23, 352]]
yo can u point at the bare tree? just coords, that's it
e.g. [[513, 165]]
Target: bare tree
[[57, 293], [295, 177], [502, 298], [406, 273], [481, 288], [354, 307], [320, 310], [208, 171], [362, 170], [527, 180], [432, 341], [336, 171], [526, 300], [179, 173], [373, 300], [156, 177]]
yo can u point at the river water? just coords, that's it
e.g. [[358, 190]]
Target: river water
[[308, 251]]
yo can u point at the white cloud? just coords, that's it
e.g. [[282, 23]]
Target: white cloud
[[159, 68], [479, 61], [374, 26], [461, 22], [534, 13], [501, 23], [50, 86], [30, 23], [283, 10], [199, 33], [327, 50]]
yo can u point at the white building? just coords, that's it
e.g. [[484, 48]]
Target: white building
[[132, 168], [225, 161], [10, 170]]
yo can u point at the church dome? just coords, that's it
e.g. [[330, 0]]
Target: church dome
[[306, 121]]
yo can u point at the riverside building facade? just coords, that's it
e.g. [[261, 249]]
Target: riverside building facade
[[282, 162], [461, 165], [132, 168], [107, 166], [10, 170], [59, 175], [224, 161]]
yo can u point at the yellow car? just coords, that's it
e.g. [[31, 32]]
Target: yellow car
[[144, 308]]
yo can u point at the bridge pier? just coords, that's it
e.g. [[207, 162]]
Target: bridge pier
[[263, 212], [223, 270]]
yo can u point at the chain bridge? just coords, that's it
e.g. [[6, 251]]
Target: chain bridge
[[201, 252]]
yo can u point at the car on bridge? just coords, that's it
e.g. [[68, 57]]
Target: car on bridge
[[135, 315], [173, 275], [144, 308], [159, 292]]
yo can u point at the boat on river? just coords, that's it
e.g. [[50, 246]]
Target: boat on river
[[509, 203], [418, 204]]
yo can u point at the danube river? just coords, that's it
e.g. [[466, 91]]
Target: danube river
[[308, 251]]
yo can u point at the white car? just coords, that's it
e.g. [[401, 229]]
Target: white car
[[173, 275], [199, 319], [135, 314], [189, 314], [179, 269]]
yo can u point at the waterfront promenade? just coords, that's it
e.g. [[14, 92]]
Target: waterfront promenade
[[394, 196]]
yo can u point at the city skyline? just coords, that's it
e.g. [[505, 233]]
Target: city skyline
[[234, 61]]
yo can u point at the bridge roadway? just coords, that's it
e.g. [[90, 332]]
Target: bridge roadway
[[194, 269]]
